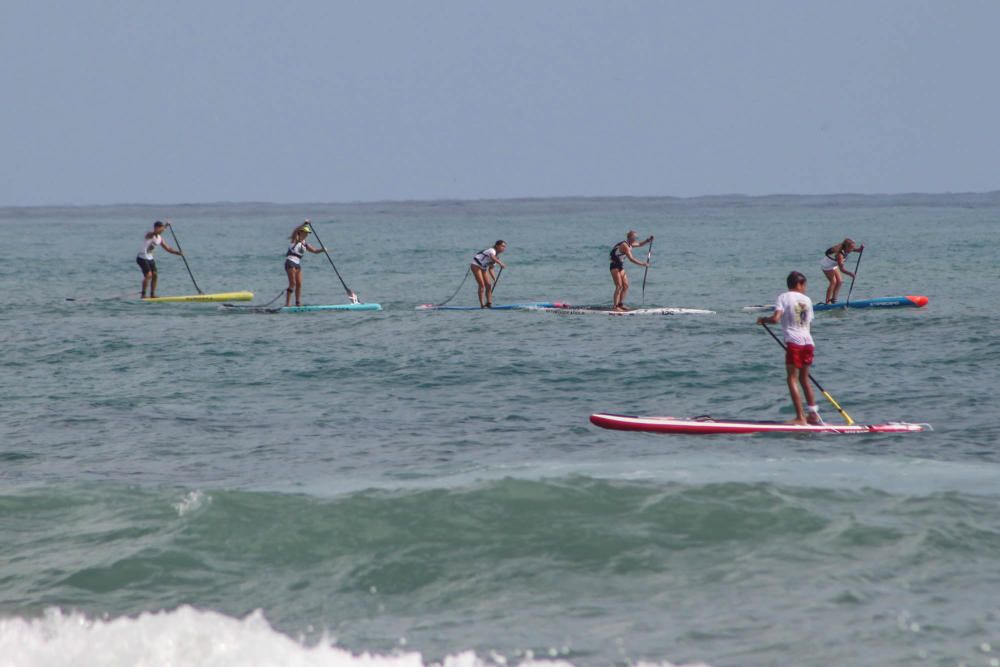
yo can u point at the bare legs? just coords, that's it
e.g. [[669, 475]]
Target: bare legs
[[485, 284], [148, 280], [836, 280], [294, 285], [620, 279], [798, 384]]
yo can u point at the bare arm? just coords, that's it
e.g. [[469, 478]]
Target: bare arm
[[841, 264], [857, 249], [628, 253], [495, 259], [312, 249], [773, 318], [166, 247]]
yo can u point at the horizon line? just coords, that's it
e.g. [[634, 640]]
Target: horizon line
[[472, 200]]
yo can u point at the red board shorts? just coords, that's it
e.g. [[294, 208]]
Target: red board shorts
[[799, 356]]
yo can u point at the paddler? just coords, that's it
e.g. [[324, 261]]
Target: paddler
[[795, 311], [482, 271], [832, 265], [620, 251], [145, 257], [293, 261]]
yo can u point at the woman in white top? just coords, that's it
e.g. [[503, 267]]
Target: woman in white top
[[145, 257], [293, 261], [482, 270], [832, 265]]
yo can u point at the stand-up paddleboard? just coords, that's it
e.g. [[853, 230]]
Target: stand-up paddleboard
[[302, 309], [604, 310], [201, 298], [504, 306], [705, 424], [880, 302]]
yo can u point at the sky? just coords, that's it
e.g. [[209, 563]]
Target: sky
[[332, 101]]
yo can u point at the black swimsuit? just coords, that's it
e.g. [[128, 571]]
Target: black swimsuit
[[616, 256]]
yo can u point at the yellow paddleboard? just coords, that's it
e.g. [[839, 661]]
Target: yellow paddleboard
[[203, 298]]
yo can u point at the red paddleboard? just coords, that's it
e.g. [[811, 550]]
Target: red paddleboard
[[703, 425]]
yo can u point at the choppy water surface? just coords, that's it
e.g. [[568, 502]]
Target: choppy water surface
[[179, 483]]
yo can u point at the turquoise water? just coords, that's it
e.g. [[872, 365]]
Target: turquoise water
[[426, 487]]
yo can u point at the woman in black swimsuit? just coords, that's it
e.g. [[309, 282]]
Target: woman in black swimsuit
[[620, 251]]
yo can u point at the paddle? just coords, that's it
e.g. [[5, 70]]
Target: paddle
[[495, 281], [181, 251], [830, 398], [856, 267], [649, 254], [350, 292]]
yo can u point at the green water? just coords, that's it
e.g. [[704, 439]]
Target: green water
[[429, 481]]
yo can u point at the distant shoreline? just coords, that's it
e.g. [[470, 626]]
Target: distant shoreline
[[895, 199]]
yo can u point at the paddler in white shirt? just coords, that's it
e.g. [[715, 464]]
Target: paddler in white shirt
[[482, 271], [293, 261], [795, 312], [145, 257]]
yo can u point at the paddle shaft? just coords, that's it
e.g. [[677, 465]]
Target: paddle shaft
[[856, 267], [830, 398], [495, 281], [181, 251], [347, 289], [649, 255]]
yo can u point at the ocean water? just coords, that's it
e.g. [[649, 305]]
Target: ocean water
[[185, 485]]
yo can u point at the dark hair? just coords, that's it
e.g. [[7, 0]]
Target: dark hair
[[499, 242], [794, 279], [156, 225]]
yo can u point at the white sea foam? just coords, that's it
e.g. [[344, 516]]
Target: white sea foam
[[191, 502], [189, 636], [853, 472]]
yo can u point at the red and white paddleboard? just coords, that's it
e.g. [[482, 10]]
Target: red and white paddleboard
[[702, 425]]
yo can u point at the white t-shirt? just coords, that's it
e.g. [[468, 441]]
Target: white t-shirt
[[796, 314], [149, 245], [486, 258]]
